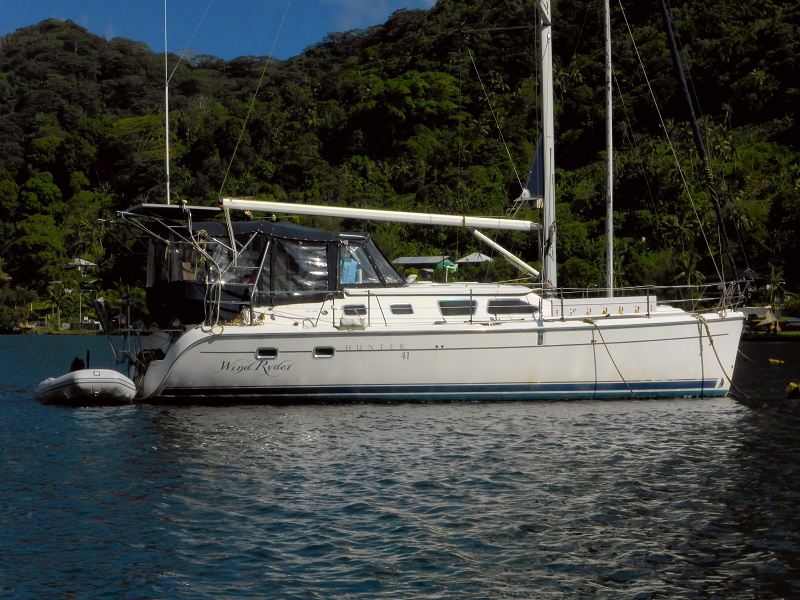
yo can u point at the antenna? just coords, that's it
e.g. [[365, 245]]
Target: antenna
[[166, 96], [609, 159]]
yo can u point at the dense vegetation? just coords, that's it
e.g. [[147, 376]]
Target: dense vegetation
[[405, 115]]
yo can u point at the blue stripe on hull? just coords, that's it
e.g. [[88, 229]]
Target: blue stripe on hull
[[446, 392]]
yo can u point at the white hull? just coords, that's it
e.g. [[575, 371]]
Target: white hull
[[301, 356], [87, 386]]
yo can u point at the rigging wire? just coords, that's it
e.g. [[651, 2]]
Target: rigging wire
[[671, 146], [578, 41], [167, 79], [226, 211], [629, 135], [697, 135], [255, 96], [710, 148], [189, 43], [496, 120]]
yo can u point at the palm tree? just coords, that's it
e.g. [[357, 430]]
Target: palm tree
[[56, 293], [687, 271], [775, 293], [775, 286]]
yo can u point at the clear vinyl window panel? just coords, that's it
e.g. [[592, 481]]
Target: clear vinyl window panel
[[299, 266], [356, 268]]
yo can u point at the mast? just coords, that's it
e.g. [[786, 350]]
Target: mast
[[549, 269], [166, 96], [609, 160]]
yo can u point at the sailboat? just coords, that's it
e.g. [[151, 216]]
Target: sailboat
[[268, 311]]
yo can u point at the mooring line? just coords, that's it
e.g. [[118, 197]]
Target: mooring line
[[702, 319], [613, 362]]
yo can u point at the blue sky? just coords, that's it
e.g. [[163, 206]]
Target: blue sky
[[227, 28]]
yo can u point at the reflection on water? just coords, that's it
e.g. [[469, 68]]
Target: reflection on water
[[644, 499]]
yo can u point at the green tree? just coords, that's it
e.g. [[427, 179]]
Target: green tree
[[37, 253], [40, 195], [15, 304]]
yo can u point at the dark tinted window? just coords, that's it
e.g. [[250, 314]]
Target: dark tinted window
[[354, 310], [402, 309], [510, 306], [454, 308]]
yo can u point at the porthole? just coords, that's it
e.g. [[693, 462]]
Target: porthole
[[324, 352]]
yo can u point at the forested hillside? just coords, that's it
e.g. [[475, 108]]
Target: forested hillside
[[427, 112]]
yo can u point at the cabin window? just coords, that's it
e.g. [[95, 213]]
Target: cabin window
[[324, 352], [402, 309], [510, 306], [354, 310], [267, 353], [457, 307]]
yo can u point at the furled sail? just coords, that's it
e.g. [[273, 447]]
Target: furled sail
[[534, 186]]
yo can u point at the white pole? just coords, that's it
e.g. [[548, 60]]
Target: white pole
[[368, 214], [492, 244], [609, 161], [166, 96], [549, 268]]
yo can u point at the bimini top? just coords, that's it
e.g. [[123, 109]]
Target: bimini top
[[279, 229], [196, 273]]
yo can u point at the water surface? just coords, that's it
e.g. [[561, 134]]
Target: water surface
[[617, 499]]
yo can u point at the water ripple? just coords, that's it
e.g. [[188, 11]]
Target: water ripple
[[646, 499]]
